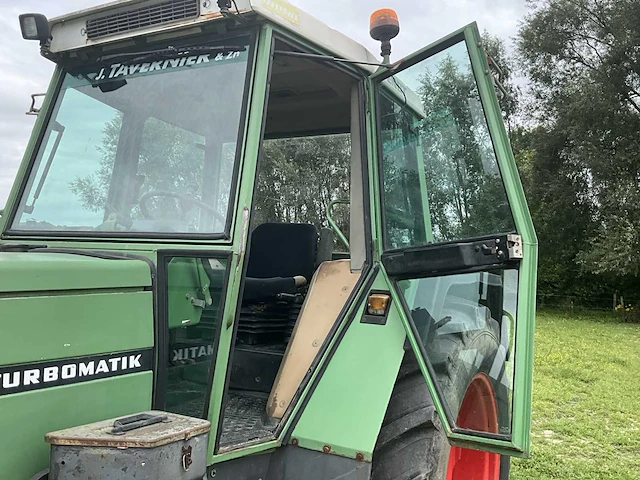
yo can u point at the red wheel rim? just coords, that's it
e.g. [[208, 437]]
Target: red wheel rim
[[479, 412]]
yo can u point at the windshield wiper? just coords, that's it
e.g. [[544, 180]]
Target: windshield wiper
[[55, 127], [172, 52]]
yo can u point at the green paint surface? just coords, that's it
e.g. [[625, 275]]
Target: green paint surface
[[347, 407], [33, 272], [55, 306], [26, 417], [62, 326]]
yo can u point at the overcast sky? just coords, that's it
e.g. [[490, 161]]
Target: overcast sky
[[23, 71]]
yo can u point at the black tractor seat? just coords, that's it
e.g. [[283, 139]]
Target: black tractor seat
[[271, 300], [279, 252]]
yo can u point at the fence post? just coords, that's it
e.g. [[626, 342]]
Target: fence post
[[615, 301]]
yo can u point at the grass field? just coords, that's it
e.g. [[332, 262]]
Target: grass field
[[586, 400]]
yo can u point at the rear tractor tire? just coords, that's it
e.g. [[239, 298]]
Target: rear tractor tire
[[412, 444]]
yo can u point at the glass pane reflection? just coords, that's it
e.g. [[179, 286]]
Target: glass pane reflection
[[440, 173], [466, 324], [195, 289]]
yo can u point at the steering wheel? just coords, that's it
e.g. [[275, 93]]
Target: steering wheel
[[144, 208]]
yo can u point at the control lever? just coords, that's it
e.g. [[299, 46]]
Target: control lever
[[290, 297], [287, 297]]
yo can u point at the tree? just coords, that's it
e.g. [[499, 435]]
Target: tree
[[583, 60], [561, 214]]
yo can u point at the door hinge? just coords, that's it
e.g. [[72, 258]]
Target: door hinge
[[514, 246]]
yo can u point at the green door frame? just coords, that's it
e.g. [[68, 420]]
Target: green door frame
[[256, 105], [521, 411], [258, 102]]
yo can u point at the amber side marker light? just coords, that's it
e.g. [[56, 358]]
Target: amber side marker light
[[378, 304]]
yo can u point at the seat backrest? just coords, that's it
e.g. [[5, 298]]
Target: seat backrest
[[283, 250]]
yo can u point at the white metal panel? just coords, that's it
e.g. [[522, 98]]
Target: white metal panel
[[292, 18], [68, 31]]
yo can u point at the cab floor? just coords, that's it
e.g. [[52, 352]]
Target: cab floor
[[245, 419]]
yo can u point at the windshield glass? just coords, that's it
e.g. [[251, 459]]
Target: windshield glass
[[144, 144]]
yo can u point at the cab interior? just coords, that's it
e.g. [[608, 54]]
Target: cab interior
[[310, 102]]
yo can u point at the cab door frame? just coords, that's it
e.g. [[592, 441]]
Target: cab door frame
[[256, 121], [445, 258]]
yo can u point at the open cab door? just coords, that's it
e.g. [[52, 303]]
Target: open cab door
[[458, 244]]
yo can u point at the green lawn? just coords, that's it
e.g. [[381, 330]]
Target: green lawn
[[586, 400]]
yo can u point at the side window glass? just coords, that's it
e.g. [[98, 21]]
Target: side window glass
[[194, 304], [220, 195], [435, 106], [466, 324]]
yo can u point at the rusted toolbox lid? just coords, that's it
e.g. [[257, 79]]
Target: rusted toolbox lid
[[143, 430]]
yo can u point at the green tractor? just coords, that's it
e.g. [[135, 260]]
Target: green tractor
[[240, 246]]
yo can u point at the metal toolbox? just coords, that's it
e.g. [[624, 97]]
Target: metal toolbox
[[148, 446]]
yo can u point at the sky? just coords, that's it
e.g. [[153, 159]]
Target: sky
[[23, 71]]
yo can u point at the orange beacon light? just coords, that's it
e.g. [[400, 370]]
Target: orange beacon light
[[384, 26]]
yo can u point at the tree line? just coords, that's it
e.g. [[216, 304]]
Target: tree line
[[578, 151]]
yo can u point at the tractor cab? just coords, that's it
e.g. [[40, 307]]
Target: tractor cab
[[285, 227]]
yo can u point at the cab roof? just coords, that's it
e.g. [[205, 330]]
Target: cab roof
[[120, 20]]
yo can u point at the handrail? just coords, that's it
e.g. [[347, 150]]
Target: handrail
[[333, 224]]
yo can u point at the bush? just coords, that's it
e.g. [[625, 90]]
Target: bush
[[628, 313]]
